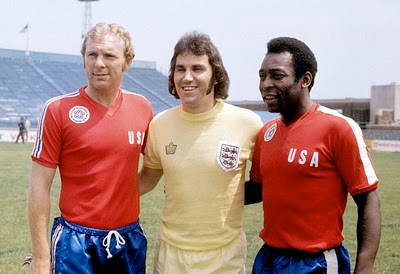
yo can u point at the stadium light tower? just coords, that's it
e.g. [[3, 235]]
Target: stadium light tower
[[87, 16]]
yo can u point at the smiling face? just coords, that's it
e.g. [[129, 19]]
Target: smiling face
[[279, 88], [105, 63], [193, 79]]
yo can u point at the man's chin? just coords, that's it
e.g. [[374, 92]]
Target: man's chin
[[271, 108]]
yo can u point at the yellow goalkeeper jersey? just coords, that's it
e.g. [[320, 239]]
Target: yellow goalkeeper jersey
[[203, 157]]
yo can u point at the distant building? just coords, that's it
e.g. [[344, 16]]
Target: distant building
[[385, 105], [381, 110], [358, 109]]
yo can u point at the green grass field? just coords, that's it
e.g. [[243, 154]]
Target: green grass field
[[15, 240]]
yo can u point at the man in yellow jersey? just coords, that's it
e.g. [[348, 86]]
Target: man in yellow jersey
[[201, 147]]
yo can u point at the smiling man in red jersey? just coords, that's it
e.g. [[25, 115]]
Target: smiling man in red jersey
[[307, 161]]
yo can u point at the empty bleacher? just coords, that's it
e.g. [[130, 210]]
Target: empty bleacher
[[28, 80]]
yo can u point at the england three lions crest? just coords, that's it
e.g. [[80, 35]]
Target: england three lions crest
[[228, 156]]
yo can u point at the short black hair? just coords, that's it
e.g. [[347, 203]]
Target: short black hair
[[303, 58]]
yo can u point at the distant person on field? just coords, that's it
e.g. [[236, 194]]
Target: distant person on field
[[308, 160], [27, 125], [201, 147], [21, 130], [94, 136]]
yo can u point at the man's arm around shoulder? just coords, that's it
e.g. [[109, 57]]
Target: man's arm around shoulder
[[148, 179], [252, 192]]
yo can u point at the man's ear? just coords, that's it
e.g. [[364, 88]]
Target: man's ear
[[306, 80], [126, 66]]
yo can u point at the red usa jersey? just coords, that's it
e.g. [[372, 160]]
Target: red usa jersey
[[97, 150], [307, 170]]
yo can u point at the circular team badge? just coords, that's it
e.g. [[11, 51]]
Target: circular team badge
[[79, 114], [270, 132]]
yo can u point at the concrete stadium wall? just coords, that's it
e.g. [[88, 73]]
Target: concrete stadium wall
[[383, 145], [10, 135]]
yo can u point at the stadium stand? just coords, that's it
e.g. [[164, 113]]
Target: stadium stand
[[29, 79]]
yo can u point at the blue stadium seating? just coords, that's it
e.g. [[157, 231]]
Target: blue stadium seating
[[29, 79]]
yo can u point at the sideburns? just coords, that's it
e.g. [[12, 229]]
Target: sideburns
[[210, 86]]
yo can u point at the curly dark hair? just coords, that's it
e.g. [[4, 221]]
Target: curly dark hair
[[200, 44], [302, 56]]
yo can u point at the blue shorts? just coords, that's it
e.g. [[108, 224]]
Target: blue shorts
[[78, 249], [276, 260]]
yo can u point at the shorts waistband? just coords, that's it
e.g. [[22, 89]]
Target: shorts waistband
[[294, 252], [97, 231]]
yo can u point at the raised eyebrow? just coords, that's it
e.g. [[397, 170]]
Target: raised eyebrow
[[88, 52], [273, 70], [179, 66], [198, 66], [278, 71], [111, 53]]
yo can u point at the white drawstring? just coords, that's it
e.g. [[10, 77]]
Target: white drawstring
[[107, 241]]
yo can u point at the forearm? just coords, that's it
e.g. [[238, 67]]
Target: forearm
[[368, 232], [148, 179], [145, 188], [38, 216]]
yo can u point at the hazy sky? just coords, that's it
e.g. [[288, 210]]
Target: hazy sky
[[356, 42]]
